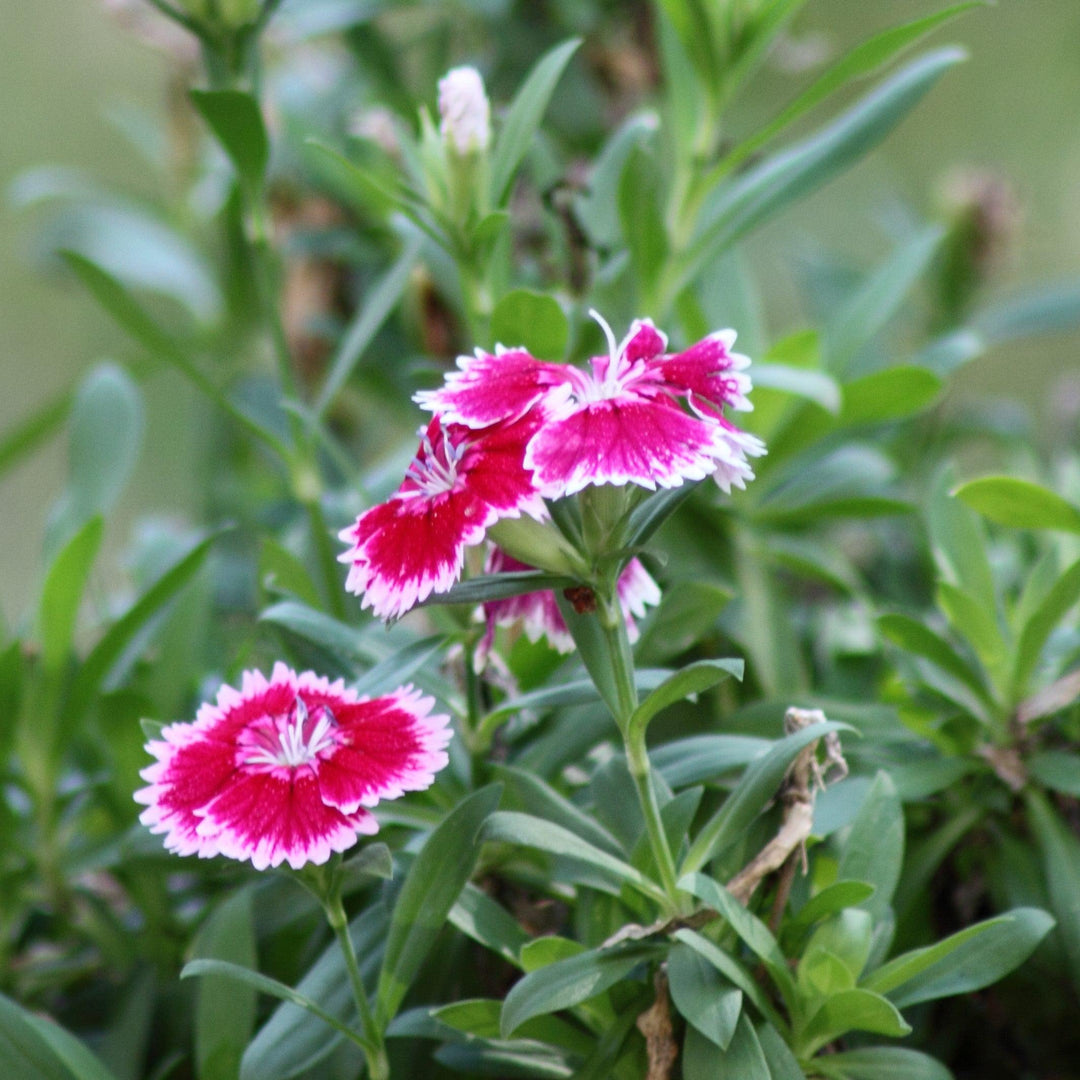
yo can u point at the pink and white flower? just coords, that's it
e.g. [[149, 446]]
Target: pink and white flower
[[639, 416], [459, 484], [539, 615], [286, 769]]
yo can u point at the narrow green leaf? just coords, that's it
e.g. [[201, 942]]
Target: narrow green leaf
[[316, 627], [476, 915], [293, 1040], [234, 118], [399, 666], [434, 883], [881, 1063], [36, 1048], [379, 301], [115, 299], [918, 639], [731, 970], [28, 434], [532, 320], [783, 1065], [701, 994], [510, 827], [1041, 624], [541, 800], [225, 1012], [598, 211], [640, 213], [891, 394], [968, 960], [569, 982], [524, 116], [498, 587], [688, 611], [874, 851], [815, 386], [766, 189], [755, 790], [1045, 309], [973, 621], [705, 757], [371, 861], [876, 300], [852, 1010], [1060, 851], [749, 928], [863, 60], [264, 985], [1019, 503], [1058, 770], [744, 1059], [110, 650], [833, 898], [693, 679], [63, 591], [106, 428], [959, 542]]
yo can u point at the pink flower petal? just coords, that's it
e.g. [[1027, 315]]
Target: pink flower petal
[[621, 440], [272, 817], [492, 387], [643, 342], [389, 746], [408, 548], [709, 371], [460, 484]]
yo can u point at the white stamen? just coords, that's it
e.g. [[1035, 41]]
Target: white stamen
[[430, 475], [294, 746]]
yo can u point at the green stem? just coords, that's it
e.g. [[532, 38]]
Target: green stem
[[637, 756], [374, 1045]]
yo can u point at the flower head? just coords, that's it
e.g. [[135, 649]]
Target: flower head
[[459, 484], [464, 111], [282, 770], [638, 416], [539, 615]]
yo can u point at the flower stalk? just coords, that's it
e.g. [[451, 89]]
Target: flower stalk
[[637, 756]]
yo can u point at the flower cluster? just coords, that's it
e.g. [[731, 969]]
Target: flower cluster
[[510, 431], [286, 769]]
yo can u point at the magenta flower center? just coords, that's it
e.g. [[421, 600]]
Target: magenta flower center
[[290, 739], [434, 470]]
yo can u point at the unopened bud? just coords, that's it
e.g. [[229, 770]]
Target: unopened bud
[[464, 111]]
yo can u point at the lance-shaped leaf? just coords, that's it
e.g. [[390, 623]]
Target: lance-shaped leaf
[[692, 679], [1019, 503], [234, 118], [437, 876], [510, 827], [755, 790], [965, 961], [571, 981], [33, 1047], [524, 116]]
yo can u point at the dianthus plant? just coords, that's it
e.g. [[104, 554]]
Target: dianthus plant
[[565, 470]]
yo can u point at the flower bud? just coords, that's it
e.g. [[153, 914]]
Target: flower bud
[[464, 111]]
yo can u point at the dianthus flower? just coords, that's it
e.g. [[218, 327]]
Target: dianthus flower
[[281, 770], [539, 613], [639, 416], [459, 484]]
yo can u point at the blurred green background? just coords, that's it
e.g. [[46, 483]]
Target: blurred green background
[[68, 64]]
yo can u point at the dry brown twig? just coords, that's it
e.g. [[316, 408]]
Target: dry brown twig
[[803, 780], [655, 1024]]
